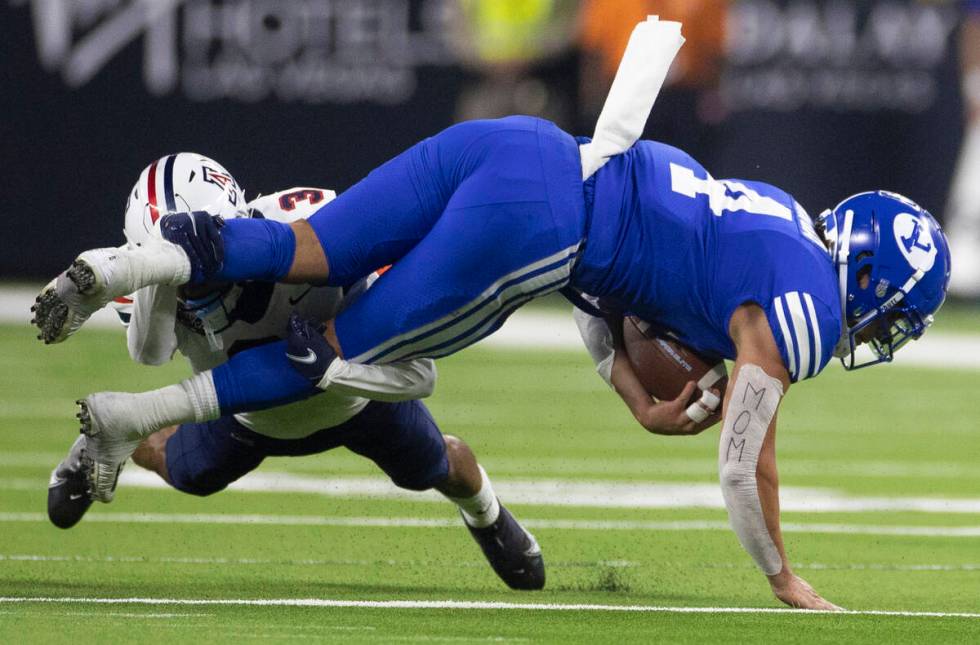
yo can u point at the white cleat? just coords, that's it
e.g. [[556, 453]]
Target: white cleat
[[105, 419], [67, 302], [98, 276]]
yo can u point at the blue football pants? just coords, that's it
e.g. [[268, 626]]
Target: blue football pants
[[476, 220]]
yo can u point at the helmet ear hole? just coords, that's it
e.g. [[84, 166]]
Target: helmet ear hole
[[864, 277]]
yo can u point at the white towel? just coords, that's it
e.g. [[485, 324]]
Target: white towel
[[642, 71]]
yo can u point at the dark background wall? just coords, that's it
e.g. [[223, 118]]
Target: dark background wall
[[73, 146], [820, 97]]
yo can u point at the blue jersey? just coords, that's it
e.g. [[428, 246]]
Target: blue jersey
[[682, 250]]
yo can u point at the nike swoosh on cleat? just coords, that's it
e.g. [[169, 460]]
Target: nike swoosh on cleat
[[295, 300], [309, 359], [75, 496]]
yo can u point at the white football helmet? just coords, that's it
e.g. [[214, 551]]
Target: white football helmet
[[180, 183]]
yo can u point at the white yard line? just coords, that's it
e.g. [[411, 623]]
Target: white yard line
[[471, 605], [558, 492], [571, 525], [592, 493], [304, 562], [640, 468], [555, 330], [616, 564]]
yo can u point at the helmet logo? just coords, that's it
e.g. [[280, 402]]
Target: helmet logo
[[914, 241], [223, 181], [882, 288]]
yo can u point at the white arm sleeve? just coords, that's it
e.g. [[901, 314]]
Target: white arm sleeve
[[598, 340], [150, 336], [391, 382], [753, 404]]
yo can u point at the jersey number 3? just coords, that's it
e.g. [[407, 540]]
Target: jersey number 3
[[288, 201]]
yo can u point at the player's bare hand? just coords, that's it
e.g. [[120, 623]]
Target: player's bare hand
[[671, 418], [797, 592]]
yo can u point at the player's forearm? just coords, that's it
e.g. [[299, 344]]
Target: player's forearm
[[603, 340], [597, 334], [747, 434], [626, 384], [393, 382], [767, 485]]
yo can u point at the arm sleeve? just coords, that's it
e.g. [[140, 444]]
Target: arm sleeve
[[150, 337], [391, 382], [598, 340], [806, 331]]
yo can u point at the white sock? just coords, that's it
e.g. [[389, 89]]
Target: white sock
[[125, 271], [137, 415], [203, 396], [482, 509], [192, 400]]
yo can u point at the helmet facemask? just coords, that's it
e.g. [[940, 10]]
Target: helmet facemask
[[208, 314]]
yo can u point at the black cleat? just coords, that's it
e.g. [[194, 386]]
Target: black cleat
[[83, 276], [69, 494], [513, 553], [50, 314]]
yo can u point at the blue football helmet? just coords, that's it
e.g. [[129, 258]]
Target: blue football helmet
[[893, 263]]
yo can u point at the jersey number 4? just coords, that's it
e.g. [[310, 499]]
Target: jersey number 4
[[725, 196]]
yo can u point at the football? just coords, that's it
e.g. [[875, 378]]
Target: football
[[664, 365]]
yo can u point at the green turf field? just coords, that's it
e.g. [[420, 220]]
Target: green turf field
[[885, 441]]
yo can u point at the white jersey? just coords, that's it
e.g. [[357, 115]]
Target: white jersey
[[259, 312]]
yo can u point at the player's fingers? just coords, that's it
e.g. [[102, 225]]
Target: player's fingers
[[717, 394], [215, 241], [702, 409], [710, 400], [685, 394], [819, 603]]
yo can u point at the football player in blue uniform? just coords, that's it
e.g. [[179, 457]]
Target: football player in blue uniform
[[487, 215]]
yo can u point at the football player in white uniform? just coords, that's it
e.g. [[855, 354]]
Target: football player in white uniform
[[374, 412]]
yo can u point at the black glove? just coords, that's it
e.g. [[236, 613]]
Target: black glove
[[199, 234], [307, 350]]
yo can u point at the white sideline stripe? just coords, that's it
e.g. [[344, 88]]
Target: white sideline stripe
[[594, 494], [575, 525], [558, 492], [465, 604], [553, 330], [640, 467]]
